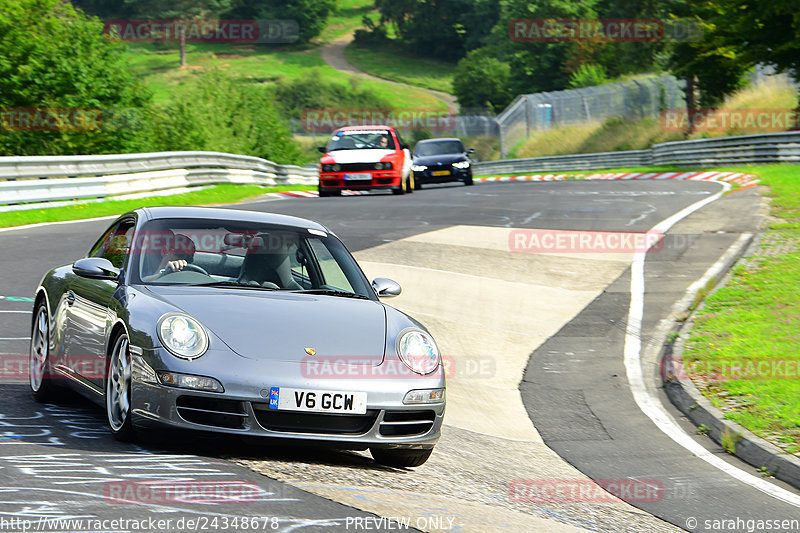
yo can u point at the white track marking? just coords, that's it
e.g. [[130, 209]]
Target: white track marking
[[647, 402]]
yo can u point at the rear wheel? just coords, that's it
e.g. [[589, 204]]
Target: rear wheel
[[39, 369], [118, 390], [400, 458]]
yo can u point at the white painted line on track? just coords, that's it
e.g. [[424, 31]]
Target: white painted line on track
[[647, 402], [14, 311]]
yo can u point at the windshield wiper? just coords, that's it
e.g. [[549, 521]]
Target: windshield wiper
[[232, 284], [334, 292]]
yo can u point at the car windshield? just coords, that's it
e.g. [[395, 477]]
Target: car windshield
[[439, 148], [359, 140], [245, 254]]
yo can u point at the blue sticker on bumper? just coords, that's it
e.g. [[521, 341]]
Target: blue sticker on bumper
[[274, 395]]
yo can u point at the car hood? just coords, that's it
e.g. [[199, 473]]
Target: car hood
[[279, 326], [359, 156], [443, 159]]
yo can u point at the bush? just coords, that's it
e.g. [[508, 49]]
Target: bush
[[219, 113], [588, 75], [310, 92]]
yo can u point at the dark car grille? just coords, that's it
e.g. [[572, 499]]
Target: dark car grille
[[295, 422], [406, 423], [212, 411]]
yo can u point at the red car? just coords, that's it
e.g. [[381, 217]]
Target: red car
[[365, 157]]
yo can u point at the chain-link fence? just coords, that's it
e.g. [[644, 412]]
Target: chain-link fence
[[633, 99]]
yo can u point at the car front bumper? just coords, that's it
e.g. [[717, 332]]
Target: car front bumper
[[380, 180], [243, 408]]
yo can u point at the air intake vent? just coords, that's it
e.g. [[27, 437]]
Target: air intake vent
[[406, 423], [212, 412]]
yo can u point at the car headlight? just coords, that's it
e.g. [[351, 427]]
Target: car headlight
[[335, 167], [182, 335], [383, 166], [461, 164], [418, 351], [419, 168]]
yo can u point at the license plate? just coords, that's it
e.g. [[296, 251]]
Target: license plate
[[441, 172], [317, 401], [357, 177]]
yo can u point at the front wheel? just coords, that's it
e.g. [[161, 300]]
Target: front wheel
[[400, 458], [468, 181], [410, 185], [39, 368], [118, 390]]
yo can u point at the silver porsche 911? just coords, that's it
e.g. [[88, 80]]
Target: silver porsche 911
[[241, 323]]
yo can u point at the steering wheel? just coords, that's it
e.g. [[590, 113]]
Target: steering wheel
[[195, 268], [189, 266]]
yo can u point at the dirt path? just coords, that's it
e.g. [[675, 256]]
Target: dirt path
[[333, 55]]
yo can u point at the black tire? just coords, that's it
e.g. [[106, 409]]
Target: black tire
[[118, 381], [410, 183], [400, 458], [399, 190], [417, 185], [468, 181], [39, 363]]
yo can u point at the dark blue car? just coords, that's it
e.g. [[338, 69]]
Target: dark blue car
[[440, 161]]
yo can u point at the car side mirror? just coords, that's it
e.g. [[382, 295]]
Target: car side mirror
[[471, 150], [321, 149], [404, 146], [386, 288], [95, 268]]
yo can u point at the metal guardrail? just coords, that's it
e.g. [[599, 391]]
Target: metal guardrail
[[45, 179], [783, 147], [633, 158]]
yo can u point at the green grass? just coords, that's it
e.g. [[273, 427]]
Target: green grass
[[389, 64], [157, 66], [218, 194], [745, 344]]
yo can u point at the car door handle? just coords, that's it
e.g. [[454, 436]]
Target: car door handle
[[70, 298]]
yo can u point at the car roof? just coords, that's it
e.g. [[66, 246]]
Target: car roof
[[439, 139], [239, 215], [375, 127]]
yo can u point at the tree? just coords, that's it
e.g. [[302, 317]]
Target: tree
[[54, 57], [444, 29], [481, 81], [180, 11], [310, 15]]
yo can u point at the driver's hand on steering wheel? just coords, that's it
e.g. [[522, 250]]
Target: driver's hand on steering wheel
[[176, 265]]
